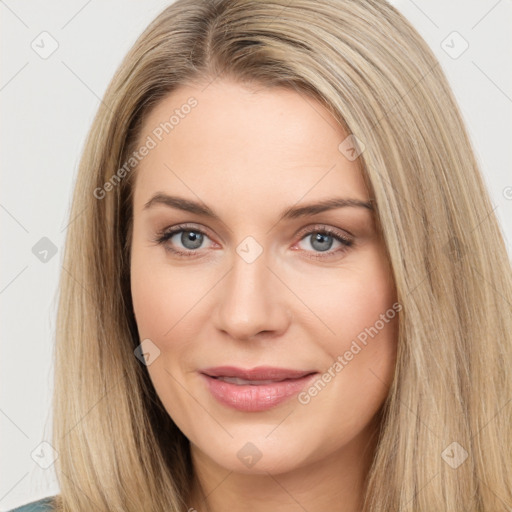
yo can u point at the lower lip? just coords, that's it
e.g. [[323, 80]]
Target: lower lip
[[254, 398]]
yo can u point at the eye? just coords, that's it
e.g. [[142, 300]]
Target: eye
[[186, 241], [189, 237], [322, 238]]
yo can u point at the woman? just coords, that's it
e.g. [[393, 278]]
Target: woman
[[285, 287]]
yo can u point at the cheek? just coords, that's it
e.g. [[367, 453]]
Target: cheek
[[373, 334], [163, 302], [169, 302], [163, 296], [347, 302], [358, 334]]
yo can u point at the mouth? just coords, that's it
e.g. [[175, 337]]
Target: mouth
[[255, 389], [240, 382], [257, 375]]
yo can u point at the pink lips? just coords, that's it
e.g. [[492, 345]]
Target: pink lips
[[253, 397]]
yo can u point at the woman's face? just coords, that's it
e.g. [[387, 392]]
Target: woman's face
[[258, 282]]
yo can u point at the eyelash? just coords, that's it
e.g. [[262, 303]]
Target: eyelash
[[166, 234]]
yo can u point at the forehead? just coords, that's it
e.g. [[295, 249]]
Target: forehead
[[230, 142]]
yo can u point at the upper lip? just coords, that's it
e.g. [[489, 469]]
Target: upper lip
[[257, 373]]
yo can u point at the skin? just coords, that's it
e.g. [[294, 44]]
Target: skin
[[249, 153]]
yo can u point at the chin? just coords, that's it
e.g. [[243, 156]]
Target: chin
[[256, 455]]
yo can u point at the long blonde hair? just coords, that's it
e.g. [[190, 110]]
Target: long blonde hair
[[446, 433]]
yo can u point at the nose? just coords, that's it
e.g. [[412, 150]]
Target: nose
[[251, 301]]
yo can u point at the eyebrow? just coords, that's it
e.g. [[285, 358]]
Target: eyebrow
[[293, 212]]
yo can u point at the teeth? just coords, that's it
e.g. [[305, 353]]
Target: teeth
[[236, 380]]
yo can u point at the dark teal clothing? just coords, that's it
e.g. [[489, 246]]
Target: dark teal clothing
[[44, 505]]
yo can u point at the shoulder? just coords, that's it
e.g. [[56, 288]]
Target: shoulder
[[43, 505]]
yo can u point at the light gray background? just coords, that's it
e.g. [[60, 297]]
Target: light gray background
[[47, 108]]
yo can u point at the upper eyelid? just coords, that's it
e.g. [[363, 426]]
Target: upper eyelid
[[326, 227], [185, 227]]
